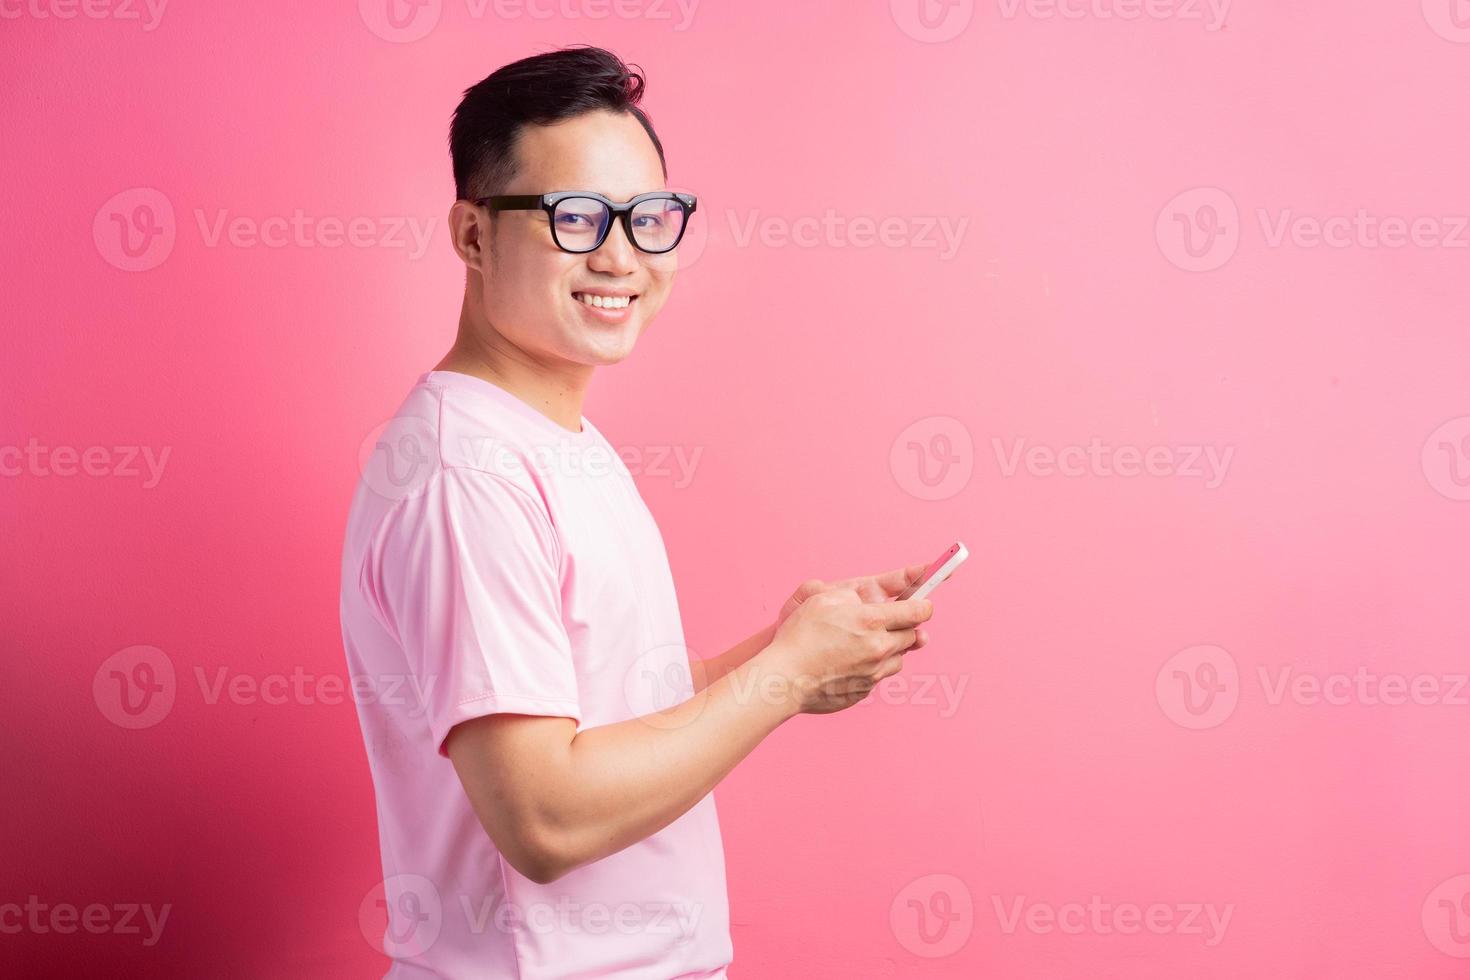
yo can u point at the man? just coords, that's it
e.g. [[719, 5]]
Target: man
[[543, 750]]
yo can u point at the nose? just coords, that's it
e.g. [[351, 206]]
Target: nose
[[616, 256]]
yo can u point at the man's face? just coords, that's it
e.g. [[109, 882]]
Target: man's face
[[531, 286]]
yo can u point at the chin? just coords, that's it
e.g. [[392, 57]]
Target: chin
[[612, 355], [607, 349]]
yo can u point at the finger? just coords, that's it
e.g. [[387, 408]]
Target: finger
[[891, 666], [894, 581], [885, 584], [899, 614], [901, 641], [923, 638]]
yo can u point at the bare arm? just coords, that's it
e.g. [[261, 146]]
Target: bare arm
[[553, 799], [709, 670]]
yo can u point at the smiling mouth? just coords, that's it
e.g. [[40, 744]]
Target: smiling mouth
[[600, 302]]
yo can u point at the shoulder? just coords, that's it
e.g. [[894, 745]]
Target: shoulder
[[449, 457], [474, 438]]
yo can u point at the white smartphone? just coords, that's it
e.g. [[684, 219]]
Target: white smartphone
[[937, 572]]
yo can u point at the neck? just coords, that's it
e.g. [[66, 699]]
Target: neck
[[556, 390]]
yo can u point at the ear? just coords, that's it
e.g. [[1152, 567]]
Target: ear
[[469, 233]]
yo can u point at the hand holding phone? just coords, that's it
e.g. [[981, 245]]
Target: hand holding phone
[[937, 572]]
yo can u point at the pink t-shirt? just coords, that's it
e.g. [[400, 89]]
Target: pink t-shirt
[[496, 561]]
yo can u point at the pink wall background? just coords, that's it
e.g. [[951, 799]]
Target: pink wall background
[[1100, 713]]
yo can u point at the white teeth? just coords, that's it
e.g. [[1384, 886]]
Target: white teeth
[[603, 302]]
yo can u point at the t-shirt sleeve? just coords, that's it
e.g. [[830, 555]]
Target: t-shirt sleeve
[[464, 574]]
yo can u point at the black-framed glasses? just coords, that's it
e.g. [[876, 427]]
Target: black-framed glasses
[[580, 220]]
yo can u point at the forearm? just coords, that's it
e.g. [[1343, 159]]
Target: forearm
[[626, 781], [706, 672]]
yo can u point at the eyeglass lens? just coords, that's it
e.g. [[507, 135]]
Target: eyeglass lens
[[580, 223]]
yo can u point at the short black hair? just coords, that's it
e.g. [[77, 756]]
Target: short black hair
[[541, 89]]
